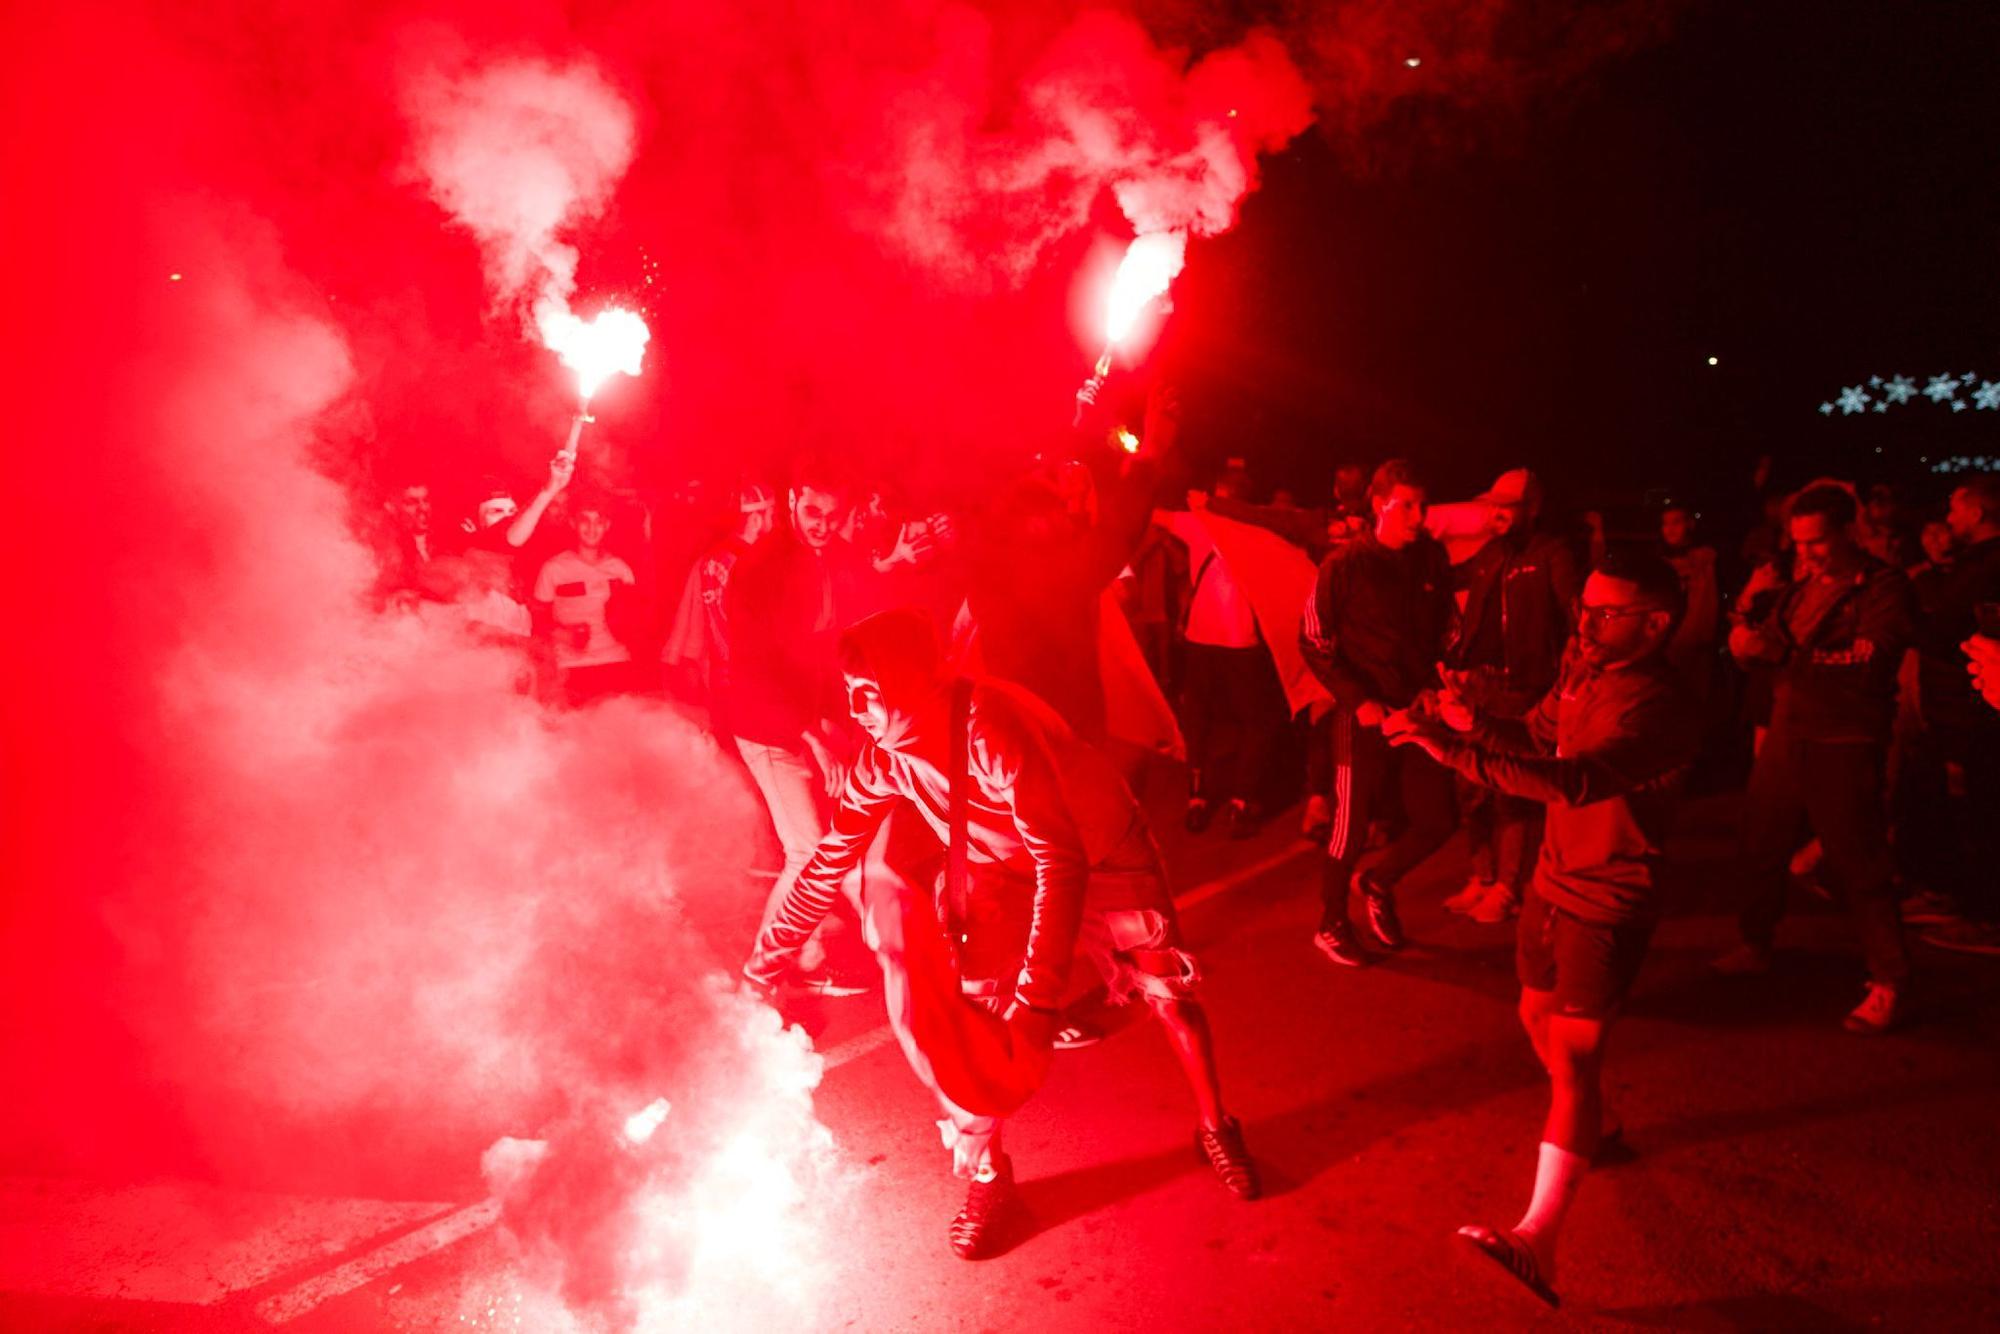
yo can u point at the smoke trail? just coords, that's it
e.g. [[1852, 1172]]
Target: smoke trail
[[316, 891], [519, 151], [985, 174]]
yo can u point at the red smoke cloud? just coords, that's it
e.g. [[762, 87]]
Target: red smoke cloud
[[289, 884]]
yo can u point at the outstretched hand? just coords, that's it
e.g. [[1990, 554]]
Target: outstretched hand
[[1405, 728]]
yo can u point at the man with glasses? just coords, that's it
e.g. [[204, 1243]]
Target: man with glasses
[[1604, 752]]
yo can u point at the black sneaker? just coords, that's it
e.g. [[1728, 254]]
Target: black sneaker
[[1338, 942], [1245, 819], [976, 1230], [1381, 909], [1224, 1151], [1198, 814]]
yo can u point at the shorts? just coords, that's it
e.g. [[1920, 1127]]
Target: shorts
[[1137, 951], [1588, 966]]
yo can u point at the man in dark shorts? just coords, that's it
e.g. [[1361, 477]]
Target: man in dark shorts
[[1605, 752]]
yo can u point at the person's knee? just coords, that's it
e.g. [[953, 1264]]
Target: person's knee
[[1575, 1051]]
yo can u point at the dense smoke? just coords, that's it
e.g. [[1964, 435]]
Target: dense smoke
[[517, 151], [297, 890]]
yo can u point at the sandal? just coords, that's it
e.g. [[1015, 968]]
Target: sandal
[[1508, 1251]]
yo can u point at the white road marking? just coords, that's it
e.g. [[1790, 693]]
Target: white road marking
[[1222, 884], [858, 1046], [294, 1302]]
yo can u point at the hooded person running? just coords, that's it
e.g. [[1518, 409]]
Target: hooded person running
[[1058, 859]]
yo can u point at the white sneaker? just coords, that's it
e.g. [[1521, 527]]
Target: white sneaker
[[1498, 905], [1475, 890], [1876, 1013]]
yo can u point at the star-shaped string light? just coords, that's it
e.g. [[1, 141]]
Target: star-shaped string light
[[1945, 390]]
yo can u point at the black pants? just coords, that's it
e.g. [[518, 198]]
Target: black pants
[[1836, 787], [1231, 712], [1974, 832], [1365, 771]]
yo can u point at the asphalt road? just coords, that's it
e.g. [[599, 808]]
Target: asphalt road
[[1784, 1174]]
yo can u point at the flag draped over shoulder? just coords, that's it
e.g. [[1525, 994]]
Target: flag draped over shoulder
[[1277, 579]]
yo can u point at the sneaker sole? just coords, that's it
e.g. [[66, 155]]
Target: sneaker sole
[[1342, 960]]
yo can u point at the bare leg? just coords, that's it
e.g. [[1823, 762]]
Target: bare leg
[[1535, 1009], [1186, 1026], [1575, 1061]]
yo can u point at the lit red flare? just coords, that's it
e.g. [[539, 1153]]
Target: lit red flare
[[1151, 263], [613, 342]]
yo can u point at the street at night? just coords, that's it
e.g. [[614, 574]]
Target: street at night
[[991, 665], [1778, 1176]]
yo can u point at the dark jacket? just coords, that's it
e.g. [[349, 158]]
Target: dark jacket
[[1836, 677], [1606, 751], [1951, 617], [1039, 582], [1377, 621], [1041, 801], [784, 604], [1519, 594]]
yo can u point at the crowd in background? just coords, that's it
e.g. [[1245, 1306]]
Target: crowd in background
[[1831, 636]]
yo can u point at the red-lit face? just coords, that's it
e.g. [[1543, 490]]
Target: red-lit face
[[1399, 516], [866, 705], [815, 515], [496, 509], [1937, 541], [1676, 527], [412, 508], [1818, 543], [1614, 622], [591, 526], [1964, 515]]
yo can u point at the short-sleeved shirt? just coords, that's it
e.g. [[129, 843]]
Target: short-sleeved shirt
[[577, 592]]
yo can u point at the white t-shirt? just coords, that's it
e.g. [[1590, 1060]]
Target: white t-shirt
[[1220, 615], [577, 592]]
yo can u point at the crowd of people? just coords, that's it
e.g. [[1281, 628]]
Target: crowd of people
[[944, 714]]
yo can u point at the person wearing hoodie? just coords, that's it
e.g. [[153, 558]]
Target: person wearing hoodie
[[1520, 587], [1038, 853]]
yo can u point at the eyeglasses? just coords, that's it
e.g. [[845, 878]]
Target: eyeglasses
[[1602, 616]]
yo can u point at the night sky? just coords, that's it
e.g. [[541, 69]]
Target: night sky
[[1804, 191]]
